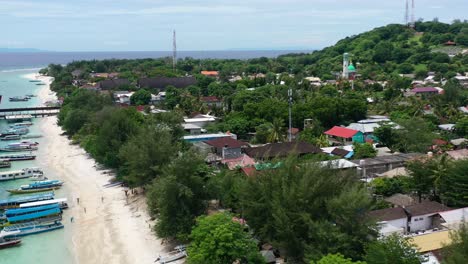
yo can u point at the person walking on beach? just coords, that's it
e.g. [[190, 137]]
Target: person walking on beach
[[84, 209], [71, 219], [77, 200], [102, 199]]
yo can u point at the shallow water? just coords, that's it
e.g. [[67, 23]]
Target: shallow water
[[51, 247]]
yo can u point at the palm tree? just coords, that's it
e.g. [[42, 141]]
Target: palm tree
[[277, 131]]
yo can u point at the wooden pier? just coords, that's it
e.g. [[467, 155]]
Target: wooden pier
[[28, 112]]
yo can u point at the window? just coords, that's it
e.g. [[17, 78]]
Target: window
[[415, 220], [420, 219]]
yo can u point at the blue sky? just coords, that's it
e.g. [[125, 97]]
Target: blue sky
[[141, 25]]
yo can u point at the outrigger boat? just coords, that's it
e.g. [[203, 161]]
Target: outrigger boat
[[18, 148], [62, 202], [18, 215], [17, 157], [20, 174], [16, 202], [26, 123], [5, 164], [39, 186], [11, 137], [11, 241], [35, 80], [19, 99], [179, 253], [31, 228]]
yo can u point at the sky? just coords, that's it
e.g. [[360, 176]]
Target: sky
[[147, 25]]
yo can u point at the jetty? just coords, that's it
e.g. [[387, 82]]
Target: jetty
[[26, 113]]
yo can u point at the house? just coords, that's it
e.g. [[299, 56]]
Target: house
[[104, 75], [123, 97], [284, 149], [314, 81], [212, 101], [205, 137], [201, 120], [367, 126], [400, 200], [450, 43], [414, 218], [371, 167], [339, 164], [91, 87], [464, 109], [210, 73], [424, 91], [242, 161], [343, 153], [343, 135], [192, 129], [447, 127], [235, 78], [459, 143], [162, 83], [227, 147], [113, 84]]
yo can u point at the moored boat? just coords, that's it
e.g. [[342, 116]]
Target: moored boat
[[11, 137], [31, 228], [5, 164], [18, 148], [18, 215], [38, 186], [17, 157], [15, 202], [21, 191], [27, 123], [19, 174], [62, 202], [11, 241], [19, 99]]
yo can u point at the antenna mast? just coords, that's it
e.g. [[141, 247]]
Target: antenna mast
[[412, 14], [407, 13], [174, 51]]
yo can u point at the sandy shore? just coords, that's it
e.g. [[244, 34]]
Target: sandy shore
[[107, 227]]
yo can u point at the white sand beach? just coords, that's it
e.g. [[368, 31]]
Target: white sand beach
[[107, 227]]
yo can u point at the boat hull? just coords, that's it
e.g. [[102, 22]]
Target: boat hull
[[18, 191], [10, 243], [38, 229]]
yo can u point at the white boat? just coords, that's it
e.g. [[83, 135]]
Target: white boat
[[172, 256], [38, 177], [19, 174], [62, 202]]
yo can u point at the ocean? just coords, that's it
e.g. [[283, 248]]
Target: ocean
[[20, 60], [52, 247]]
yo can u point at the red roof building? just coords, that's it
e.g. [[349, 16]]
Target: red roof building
[[450, 43], [210, 73], [341, 132]]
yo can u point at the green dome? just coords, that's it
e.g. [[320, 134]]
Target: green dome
[[351, 68]]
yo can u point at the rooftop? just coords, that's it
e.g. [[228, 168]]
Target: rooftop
[[431, 241], [342, 132], [388, 214], [389, 159], [282, 150], [425, 90], [426, 207], [226, 142]]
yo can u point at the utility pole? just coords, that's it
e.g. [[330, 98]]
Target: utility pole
[[290, 116], [174, 51], [407, 13], [412, 25]]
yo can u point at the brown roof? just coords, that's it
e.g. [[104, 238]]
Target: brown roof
[[427, 207], [400, 199], [113, 84], [340, 152], [210, 99], [282, 150], [388, 214], [226, 142], [163, 82]]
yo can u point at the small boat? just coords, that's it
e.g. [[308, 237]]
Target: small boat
[[15, 202], [19, 99], [16, 131], [31, 95], [172, 256], [11, 241], [38, 177], [34, 80], [38, 186], [18, 148], [62, 202], [31, 228], [32, 136], [41, 83], [5, 164], [17, 157], [11, 137], [19, 174], [21, 191], [23, 143], [26, 123]]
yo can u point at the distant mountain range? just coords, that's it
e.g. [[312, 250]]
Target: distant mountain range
[[13, 50]]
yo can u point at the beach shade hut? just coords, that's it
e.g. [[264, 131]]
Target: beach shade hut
[[343, 135]]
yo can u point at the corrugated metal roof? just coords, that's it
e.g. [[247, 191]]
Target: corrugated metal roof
[[431, 241]]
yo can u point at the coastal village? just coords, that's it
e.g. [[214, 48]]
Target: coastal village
[[335, 154]]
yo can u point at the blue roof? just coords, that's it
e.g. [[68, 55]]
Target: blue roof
[[13, 212], [34, 215]]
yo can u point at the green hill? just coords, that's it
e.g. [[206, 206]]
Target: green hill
[[393, 49]]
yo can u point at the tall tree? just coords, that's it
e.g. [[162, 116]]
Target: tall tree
[[218, 239], [179, 195], [392, 250]]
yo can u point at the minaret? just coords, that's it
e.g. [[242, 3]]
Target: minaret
[[345, 65], [174, 51]]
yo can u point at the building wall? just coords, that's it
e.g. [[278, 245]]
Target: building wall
[[229, 153], [420, 222]]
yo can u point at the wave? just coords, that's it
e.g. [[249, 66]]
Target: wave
[[19, 70]]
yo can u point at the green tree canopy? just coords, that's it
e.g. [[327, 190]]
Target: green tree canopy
[[140, 97], [218, 239], [392, 250]]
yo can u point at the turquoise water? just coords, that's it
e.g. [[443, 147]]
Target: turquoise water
[[51, 247]]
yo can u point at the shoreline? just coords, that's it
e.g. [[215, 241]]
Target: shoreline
[[107, 227]]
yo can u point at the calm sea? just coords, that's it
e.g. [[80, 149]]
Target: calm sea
[[40, 59], [52, 247]]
